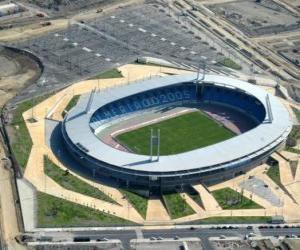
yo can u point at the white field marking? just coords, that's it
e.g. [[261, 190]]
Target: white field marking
[[122, 21], [182, 48], [66, 39], [143, 124], [107, 59], [75, 44], [163, 39], [130, 25], [154, 35], [173, 44], [112, 17], [193, 52], [142, 30], [98, 55], [204, 57], [56, 34], [86, 49]]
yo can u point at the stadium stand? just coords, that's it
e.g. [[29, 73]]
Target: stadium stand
[[207, 165], [179, 93]]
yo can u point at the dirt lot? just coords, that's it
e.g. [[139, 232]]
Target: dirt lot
[[256, 19], [16, 71]]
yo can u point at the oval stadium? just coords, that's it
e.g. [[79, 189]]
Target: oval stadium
[[167, 132]]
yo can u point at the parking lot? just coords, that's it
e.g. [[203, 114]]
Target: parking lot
[[86, 49]]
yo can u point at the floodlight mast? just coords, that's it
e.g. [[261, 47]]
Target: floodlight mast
[[154, 140], [269, 109], [151, 144], [90, 101], [158, 144], [199, 80]]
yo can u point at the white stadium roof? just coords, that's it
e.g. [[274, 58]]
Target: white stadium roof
[[260, 139]]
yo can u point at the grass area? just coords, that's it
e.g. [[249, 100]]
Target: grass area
[[113, 73], [234, 220], [294, 136], [180, 134], [57, 212], [227, 62], [295, 133], [71, 182], [230, 199], [139, 202], [297, 113], [177, 206], [293, 150], [72, 103], [196, 197], [274, 173], [21, 142]]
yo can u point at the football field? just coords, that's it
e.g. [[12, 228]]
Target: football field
[[180, 134]]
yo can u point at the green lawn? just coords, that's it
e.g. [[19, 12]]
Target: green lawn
[[196, 197], [71, 182], [21, 142], [297, 113], [227, 62], [113, 73], [295, 133], [57, 212], [234, 220], [177, 206], [293, 150], [230, 199], [274, 173], [139, 202], [179, 134], [72, 103]]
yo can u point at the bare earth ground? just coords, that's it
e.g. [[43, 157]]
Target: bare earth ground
[[7, 209], [16, 71]]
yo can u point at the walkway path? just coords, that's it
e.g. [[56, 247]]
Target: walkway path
[[156, 211], [209, 202]]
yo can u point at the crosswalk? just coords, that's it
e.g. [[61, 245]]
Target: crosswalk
[[139, 233]]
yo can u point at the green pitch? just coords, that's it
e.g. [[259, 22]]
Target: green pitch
[[179, 134]]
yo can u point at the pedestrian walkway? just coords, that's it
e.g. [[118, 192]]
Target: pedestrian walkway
[[192, 203], [209, 202], [156, 211]]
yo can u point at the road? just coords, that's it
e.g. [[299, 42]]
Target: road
[[204, 234]]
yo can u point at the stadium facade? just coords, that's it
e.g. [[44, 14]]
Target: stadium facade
[[215, 163]]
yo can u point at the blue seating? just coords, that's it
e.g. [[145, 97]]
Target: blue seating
[[168, 95]]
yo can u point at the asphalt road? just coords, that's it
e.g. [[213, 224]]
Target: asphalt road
[[204, 234]]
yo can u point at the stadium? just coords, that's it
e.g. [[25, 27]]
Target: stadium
[[165, 133]]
